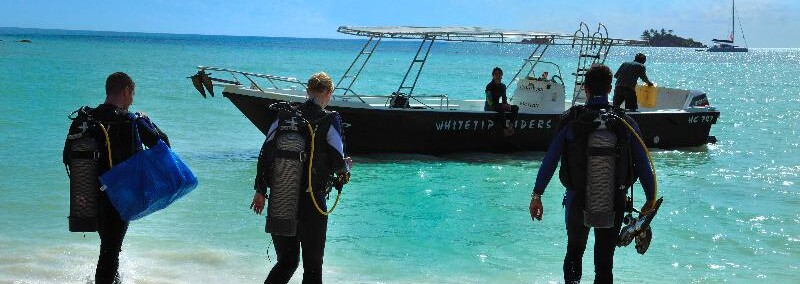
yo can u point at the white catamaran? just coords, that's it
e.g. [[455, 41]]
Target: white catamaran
[[726, 45]]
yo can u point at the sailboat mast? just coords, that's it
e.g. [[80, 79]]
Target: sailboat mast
[[733, 20]]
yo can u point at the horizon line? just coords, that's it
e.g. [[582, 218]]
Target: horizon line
[[261, 36], [163, 33]]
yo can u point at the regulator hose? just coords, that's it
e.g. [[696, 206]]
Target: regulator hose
[[108, 144], [649, 158], [310, 187]]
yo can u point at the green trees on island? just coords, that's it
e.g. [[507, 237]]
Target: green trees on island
[[666, 38]]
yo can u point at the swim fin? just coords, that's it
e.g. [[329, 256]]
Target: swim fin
[[198, 84], [639, 229], [206, 82], [643, 240]]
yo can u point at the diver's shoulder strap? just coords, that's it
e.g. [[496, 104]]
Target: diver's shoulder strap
[[323, 123], [570, 115]]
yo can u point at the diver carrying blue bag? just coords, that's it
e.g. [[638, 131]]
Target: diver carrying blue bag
[[149, 181]]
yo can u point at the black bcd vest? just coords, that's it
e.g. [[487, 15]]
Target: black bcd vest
[[291, 118], [573, 170]]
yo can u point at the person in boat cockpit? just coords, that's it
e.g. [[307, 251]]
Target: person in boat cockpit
[[627, 76], [495, 91]]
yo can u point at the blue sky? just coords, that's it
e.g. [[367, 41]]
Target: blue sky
[[766, 23]]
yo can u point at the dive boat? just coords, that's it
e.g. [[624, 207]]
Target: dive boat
[[406, 122], [726, 45]]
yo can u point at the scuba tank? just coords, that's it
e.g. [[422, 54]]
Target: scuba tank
[[600, 175], [598, 164], [81, 158], [286, 171]]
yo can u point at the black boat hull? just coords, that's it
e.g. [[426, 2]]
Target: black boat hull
[[446, 131]]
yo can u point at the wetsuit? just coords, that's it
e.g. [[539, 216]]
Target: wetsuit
[[577, 232], [311, 225], [627, 76], [495, 92], [111, 227]]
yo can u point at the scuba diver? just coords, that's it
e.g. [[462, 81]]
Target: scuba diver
[[600, 158], [628, 75], [303, 149], [495, 92], [98, 139]]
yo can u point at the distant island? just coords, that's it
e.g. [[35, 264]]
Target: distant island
[[665, 38]]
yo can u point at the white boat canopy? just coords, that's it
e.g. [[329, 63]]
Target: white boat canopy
[[593, 46], [478, 34]]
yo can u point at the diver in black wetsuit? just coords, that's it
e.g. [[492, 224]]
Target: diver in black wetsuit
[[114, 115], [329, 158], [571, 145], [495, 92]]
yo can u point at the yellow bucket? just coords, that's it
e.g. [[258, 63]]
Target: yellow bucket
[[646, 95]]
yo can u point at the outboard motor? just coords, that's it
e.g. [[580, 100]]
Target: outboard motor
[[286, 173], [81, 157], [601, 174]]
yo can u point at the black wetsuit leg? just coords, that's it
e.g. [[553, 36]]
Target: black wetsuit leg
[[312, 232], [514, 112], [627, 95], [288, 251], [604, 245], [631, 102], [577, 234], [506, 115], [619, 96], [111, 229]]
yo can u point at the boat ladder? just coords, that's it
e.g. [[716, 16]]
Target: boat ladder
[[407, 86], [350, 75], [532, 60], [592, 50]]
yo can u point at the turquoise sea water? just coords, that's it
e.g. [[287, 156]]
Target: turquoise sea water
[[730, 213]]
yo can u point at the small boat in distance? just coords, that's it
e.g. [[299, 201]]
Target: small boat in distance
[[407, 122], [726, 45]]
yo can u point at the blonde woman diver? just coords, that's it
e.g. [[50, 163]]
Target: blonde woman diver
[[328, 158]]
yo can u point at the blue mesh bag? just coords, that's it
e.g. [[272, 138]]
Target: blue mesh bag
[[148, 181]]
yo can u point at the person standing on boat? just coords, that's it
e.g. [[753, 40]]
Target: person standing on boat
[[311, 217], [628, 76], [496, 100], [571, 145]]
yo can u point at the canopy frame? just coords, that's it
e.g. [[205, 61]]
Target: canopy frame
[[593, 48]]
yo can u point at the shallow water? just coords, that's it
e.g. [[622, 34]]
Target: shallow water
[[730, 211]]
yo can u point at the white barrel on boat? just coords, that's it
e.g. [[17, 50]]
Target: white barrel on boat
[[539, 96]]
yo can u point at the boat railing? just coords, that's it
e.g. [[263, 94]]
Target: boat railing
[[444, 101], [344, 96], [428, 101], [250, 77]]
